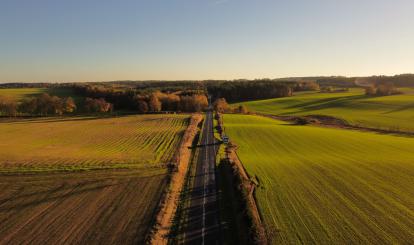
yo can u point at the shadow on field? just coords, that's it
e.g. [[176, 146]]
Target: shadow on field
[[59, 193], [74, 118], [401, 108], [326, 103]]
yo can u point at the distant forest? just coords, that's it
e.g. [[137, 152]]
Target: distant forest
[[402, 80], [179, 96]]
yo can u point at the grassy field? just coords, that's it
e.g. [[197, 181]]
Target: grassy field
[[146, 141], [93, 207], [328, 186], [387, 112], [20, 93]]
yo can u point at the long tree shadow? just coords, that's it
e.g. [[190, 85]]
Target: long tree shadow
[[326, 103], [73, 118], [401, 108], [61, 187], [51, 197]]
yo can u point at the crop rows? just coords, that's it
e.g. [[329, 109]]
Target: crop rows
[[328, 186], [111, 207], [132, 141], [384, 112]]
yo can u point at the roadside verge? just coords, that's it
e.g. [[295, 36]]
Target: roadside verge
[[238, 191], [169, 202]]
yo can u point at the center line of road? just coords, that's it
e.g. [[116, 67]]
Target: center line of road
[[204, 183]]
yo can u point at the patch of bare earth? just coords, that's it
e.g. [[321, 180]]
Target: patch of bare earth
[[96, 207]]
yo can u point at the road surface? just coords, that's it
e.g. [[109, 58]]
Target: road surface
[[202, 223]]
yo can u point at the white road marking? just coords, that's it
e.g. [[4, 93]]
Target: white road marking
[[204, 176]]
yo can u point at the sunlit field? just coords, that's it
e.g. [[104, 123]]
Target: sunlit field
[[328, 186], [145, 141], [394, 112], [91, 207], [21, 93], [84, 179]]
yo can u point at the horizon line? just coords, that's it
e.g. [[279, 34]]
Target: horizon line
[[214, 79]]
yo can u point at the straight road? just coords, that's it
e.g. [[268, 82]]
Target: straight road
[[202, 223]]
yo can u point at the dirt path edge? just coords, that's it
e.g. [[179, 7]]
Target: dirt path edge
[[168, 204]]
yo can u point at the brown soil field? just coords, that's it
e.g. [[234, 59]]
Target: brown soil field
[[93, 207]]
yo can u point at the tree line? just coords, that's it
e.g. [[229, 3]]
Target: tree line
[[42, 105], [237, 91], [220, 105], [47, 105], [243, 91], [381, 89], [403, 80], [147, 101], [176, 97]]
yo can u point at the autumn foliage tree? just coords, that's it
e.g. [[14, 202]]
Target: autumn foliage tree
[[200, 102], [170, 102], [142, 106], [386, 89], [370, 90], [221, 105], [154, 103], [8, 107], [69, 105], [97, 105], [147, 100], [381, 90], [28, 106], [45, 105], [194, 103]]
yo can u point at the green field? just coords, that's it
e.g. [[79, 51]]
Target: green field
[[328, 186], [394, 112], [145, 141], [19, 94]]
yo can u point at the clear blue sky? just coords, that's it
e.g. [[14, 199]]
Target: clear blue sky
[[101, 40]]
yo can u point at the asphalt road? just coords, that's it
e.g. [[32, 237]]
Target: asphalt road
[[202, 224]]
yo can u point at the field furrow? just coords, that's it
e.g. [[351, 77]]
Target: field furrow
[[328, 186], [78, 208], [70, 143]]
